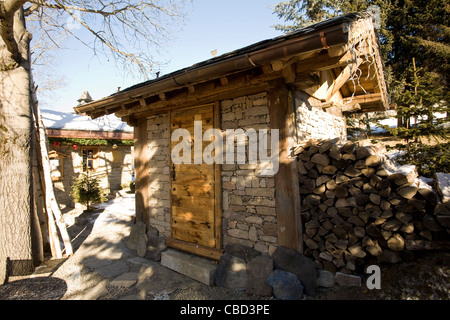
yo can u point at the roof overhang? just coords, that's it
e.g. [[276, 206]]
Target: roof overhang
[[337, 47]]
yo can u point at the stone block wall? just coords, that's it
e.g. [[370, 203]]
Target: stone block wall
[[249, 213], [313, 123], [159, 178]]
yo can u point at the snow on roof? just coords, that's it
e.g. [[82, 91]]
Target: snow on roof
[[71, 121]]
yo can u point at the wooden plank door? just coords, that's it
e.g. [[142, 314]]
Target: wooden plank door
[[192, 185]]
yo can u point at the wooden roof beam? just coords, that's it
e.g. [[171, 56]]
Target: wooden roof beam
[[342, 78], [364, 98]]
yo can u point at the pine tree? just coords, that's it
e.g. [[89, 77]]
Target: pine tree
[[86, 190], [409, 29], [418, 108]]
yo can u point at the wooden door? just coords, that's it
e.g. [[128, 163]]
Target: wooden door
[[193, 204]]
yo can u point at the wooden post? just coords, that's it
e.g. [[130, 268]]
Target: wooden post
[[286, 180], [141, 169]]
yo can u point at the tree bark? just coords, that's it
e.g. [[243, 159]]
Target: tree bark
[[16, 196]]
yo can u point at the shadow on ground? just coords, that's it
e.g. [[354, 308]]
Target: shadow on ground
[[39, 288]]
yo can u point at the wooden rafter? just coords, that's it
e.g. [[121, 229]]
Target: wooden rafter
[[342, 78]]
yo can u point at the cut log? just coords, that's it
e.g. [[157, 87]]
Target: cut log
[[321, 159], [373, 161], [348, 147], [407, 192], [430, 223], [396, 242]]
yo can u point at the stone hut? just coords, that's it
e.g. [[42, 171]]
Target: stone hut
[[213, 142]]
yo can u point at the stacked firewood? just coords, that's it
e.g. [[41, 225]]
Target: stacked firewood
[[358, 207]]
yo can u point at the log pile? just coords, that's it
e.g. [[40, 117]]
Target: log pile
[[359, 208]]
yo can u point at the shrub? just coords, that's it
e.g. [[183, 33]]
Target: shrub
[[86, 190]]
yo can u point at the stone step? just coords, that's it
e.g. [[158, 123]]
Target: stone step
[[194, 267]]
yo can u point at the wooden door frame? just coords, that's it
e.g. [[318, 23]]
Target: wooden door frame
[[204, 251]]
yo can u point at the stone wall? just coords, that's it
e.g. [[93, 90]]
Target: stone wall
[[159, 185], [114, 169], [313, 123], [249, 213]]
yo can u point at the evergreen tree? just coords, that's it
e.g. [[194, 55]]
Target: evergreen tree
[[86, 190], [422, 111], [409, 29]]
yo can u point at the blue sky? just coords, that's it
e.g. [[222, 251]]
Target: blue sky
[[224, 25]]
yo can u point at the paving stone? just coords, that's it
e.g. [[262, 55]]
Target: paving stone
[[158, 280], [125, 280], [113, 270]]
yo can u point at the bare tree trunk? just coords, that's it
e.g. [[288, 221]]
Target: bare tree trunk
[[16, 194]]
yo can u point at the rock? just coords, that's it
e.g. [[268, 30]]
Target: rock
[[231, 272], [297, 263], [137, 230], [141, 246], [325, 278], [258, 270], [285, 285], [241, 251], [155, 246], [347, 280]]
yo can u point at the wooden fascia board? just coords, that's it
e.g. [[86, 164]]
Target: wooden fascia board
[[237, 85]]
